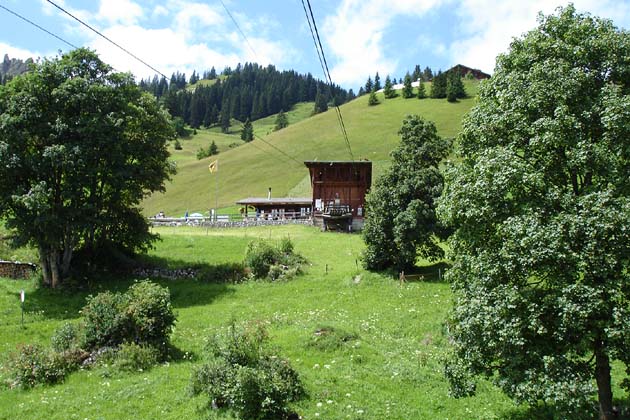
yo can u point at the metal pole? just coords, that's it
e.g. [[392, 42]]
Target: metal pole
[[216, 192]]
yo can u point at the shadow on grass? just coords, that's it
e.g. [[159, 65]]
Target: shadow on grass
[[549, 412], [433, 273], [65, 302]]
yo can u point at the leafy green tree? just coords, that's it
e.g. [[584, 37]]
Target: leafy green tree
[[407, 90], [422, 93], [281, 121], [180, 127], [401, 220], [372, 99], [80, 147], [388, 90], [540, 202], [438, 85], [247, 133]]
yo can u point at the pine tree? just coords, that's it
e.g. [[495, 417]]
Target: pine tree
[[421, 90], [407, 90], [247, 134], [373, 100], [377, 82], [194, 78], [417, 73], [214, 150], [438, 87], [321, 103], [427, 74], [281, 121], [361, 91], [213, 74], [225, 119], [369, 85], [455, 84], [388, 90]]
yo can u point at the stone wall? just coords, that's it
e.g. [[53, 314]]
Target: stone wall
[[16, 269], [234, 224]]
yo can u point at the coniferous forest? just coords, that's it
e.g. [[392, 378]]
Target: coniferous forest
[[249, 91]]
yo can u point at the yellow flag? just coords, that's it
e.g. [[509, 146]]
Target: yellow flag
[[213, 167]]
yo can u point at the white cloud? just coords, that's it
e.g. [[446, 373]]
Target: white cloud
[[164, 49], [15, 52], [160, 11], [194, 19], [119, 11], [490, 26], [355, 35], [194, 36]]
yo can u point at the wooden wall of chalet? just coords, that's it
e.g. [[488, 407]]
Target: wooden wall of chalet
[[347, 181]]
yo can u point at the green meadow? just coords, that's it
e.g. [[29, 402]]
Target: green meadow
[[250, 169], [392, 370]]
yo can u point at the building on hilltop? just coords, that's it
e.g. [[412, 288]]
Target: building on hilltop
[[464, 70], [339, 189]]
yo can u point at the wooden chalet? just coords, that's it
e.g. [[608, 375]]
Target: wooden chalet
[[339, 189], [464, 70]]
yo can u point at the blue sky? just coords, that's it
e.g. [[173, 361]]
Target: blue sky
[[360, 37]]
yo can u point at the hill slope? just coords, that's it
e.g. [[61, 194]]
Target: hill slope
[[251, 168]]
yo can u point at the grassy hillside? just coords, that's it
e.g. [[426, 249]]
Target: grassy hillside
[[393, 369], [251, 168]]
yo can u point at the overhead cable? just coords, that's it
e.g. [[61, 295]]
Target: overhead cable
[[38, 26], [107, 39], [322, 59], [239, 29]]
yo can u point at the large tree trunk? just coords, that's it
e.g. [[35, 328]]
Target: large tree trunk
[[68, 248], [43, 260], [602, 375], [55, 274]]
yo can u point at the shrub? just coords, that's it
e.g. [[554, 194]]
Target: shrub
[[274, 262], [104, 320], [150, 314], [286, 246], [135, 357], [34, 365], [64, 338], [142, 315], [244, 375], [260, 256]]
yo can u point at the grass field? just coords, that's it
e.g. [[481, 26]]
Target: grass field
[[248, 170], [393, 370]]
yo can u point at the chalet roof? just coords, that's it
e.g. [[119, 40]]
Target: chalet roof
[[275, 201], [356, 162]]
